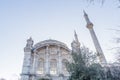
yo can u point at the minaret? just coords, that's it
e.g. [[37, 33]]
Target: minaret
[[95, 40], [26, 70], [76, 37], [75, 44]]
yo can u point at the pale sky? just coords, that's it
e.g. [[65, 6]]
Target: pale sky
[[52, 19]]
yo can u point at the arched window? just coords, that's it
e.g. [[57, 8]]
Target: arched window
[[53, 66], [64, 61], [40, 66]]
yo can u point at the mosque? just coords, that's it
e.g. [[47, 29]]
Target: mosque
[[46, 59]]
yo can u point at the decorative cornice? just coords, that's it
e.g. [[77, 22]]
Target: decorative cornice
[[50, 42]]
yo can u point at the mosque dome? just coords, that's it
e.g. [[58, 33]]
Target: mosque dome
[[48, 43]]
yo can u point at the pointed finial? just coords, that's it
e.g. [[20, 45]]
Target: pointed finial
[[89, 23], [85, 14], [30, 38], [86, 17], [75, 35], [29, 42]]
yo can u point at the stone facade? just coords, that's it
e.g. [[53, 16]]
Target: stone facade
[[45, 59]]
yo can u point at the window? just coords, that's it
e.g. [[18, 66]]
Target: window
[[53, 66], [64, 66], [41, 66]]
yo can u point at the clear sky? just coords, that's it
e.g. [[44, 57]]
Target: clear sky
[[52, 19]]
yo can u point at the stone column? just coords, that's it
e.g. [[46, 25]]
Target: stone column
[[34, 67], [47, 68], [59, 61]]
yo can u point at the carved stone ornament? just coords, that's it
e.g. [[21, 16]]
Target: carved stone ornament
[[29, 43]]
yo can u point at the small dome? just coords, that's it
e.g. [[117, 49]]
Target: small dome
[[49, 42]]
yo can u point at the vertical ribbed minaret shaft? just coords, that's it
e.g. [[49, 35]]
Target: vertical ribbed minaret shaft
[[95, 40]]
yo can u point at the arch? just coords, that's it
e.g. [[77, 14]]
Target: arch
[[49, 42], [53, 66], [40, 66], [64, 69]]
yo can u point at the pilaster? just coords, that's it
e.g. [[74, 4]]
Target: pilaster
[[59, 61], [47, 68], [34, 65], [26, 65]]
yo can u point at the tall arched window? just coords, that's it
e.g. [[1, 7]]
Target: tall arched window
[[53, 66], [64, 66], [40, 66]]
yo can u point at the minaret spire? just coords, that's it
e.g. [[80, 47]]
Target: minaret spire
[[76, 37], [89, 23], [86, 17], [95, 40], [75, 44]]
